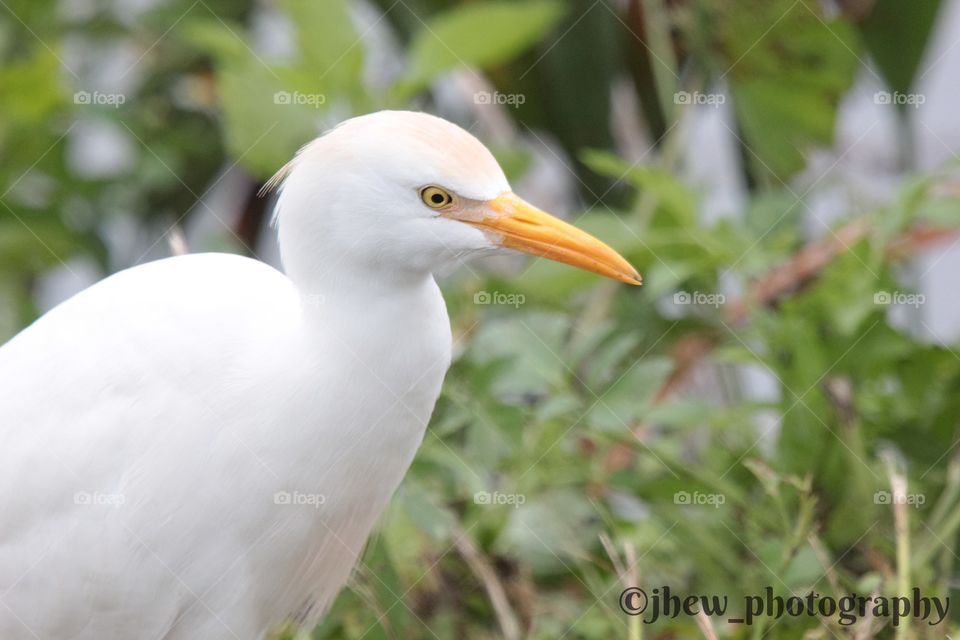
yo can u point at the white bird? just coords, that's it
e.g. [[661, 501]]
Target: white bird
[[198, 447]]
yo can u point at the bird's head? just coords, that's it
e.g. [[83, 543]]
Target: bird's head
[[404, 193]]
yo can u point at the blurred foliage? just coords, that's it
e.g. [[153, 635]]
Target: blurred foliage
[[888, 23], [554, 403]]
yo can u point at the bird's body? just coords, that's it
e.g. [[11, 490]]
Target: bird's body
[[199, 447], [248, 436]]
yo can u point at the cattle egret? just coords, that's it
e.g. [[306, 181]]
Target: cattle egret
[[198, 447]]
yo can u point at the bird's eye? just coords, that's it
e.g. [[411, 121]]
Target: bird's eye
[[435, 197]]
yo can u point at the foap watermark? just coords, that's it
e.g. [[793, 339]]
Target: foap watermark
[[700, 98], [700, 499], [899, 298], [499, 298], [497, 498], [699, 298], [97, 498], [299, 499], [495, 97], [99, 98], [846, 609], [912, 99], [915, 500], [315, 100]]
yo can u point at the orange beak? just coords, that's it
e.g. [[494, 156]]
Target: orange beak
[[516, 224]]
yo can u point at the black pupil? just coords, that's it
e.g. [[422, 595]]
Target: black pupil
[[437, 198]]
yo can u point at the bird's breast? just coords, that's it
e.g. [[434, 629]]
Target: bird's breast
[[361, 412]]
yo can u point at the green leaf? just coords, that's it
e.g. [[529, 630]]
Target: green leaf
[[669, 192], [270, 111], [896, 33], [329, 45], [478, 35], [28, 245], [214, 38], [788, 67], [550, 530], [263, 132], [941, 211], [31, 90], [530, 346], [631, 395], [433, 520]]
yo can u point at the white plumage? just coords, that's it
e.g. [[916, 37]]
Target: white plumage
[[199, 447]]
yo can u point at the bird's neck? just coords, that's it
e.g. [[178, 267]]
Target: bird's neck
[[330, 263], [393, 328], [341, 288], [353, 287]]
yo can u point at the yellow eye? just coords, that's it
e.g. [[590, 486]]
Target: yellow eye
[[435, 197]]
